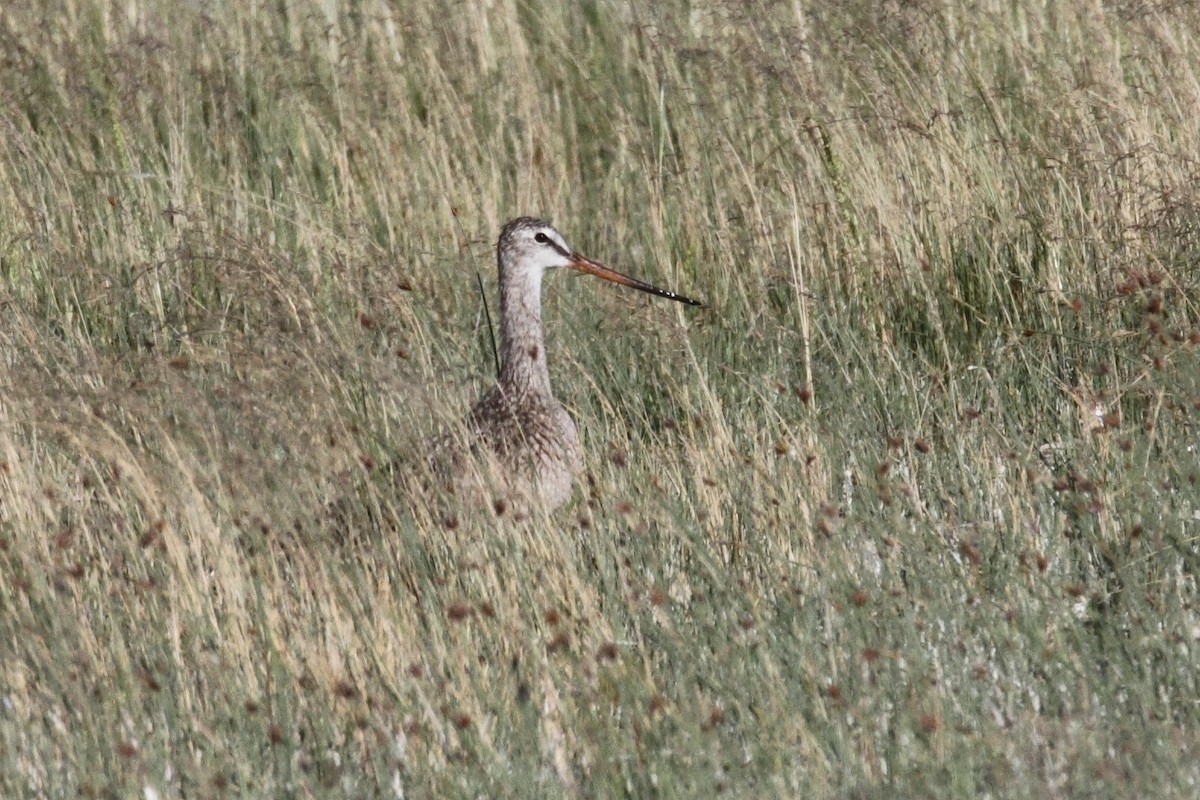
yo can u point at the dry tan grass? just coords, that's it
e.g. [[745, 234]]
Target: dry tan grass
[[909, 509]]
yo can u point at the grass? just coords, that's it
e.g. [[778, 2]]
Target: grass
[[910, 509]]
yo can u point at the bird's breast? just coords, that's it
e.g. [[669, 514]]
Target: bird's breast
[[534, 439]]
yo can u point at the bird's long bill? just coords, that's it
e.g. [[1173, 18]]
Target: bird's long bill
[[600, 271]]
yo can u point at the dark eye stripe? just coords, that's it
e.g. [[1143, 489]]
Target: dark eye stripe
[[542, 238]]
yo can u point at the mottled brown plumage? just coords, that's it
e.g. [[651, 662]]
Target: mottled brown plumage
[[519, 420]]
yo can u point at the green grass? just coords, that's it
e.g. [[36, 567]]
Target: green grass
[[910, 509]]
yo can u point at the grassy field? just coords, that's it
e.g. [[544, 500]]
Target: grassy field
[[910, 509]]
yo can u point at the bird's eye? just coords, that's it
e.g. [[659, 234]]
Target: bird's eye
[[541, 238]]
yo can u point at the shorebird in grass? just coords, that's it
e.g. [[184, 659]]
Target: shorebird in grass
[[519, 421]]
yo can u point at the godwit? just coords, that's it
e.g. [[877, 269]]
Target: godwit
[[519, 419]]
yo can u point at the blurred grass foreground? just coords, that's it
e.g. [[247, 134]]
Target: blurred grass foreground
[[909, 510]]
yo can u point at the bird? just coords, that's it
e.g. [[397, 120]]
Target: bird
[[518, 420]]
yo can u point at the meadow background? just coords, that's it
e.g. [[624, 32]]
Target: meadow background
[[910, 509]]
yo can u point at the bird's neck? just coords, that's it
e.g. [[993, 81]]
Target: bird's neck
[[523, 368]]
